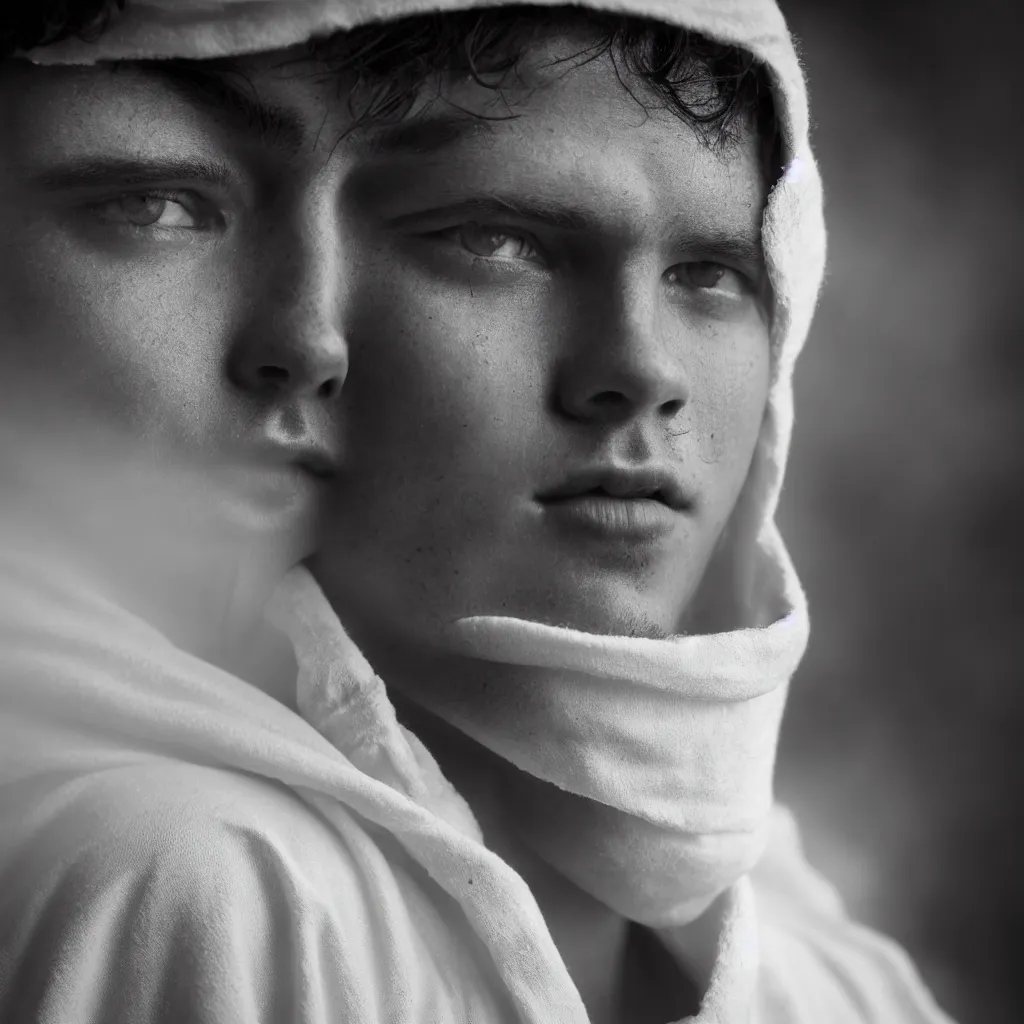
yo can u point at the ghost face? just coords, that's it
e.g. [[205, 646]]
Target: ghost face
[[559, 361], [169, 326]]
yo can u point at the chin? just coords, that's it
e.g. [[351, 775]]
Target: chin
[[615, 615]]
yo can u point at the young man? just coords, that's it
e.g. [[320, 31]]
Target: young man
[[527, 285]]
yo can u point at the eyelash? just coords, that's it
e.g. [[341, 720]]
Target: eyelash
[[189, 201], [455, 235], [743, 281]]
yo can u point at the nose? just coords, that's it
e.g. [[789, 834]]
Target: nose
[[311, 363], [292, 345], [625, 363]]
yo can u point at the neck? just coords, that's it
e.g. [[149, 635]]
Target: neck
[[207, 599], [212, 608], [590, 937], [143, 533]]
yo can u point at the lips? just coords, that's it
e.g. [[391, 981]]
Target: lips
[[314, 460], [623, 483], [617, 505], [318, 465], [631, 494]]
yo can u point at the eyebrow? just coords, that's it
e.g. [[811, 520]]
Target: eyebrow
[[534, 208], [722, 246], [212, 89], [425, 136], [90, 172]]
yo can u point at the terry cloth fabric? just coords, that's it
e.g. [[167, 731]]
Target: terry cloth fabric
[[179, 846]]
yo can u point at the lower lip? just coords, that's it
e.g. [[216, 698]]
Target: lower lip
[[637, 519]]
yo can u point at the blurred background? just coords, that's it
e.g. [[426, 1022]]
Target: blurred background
[[903, 748]]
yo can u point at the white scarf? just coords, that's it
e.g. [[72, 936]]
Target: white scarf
[[671, 742]]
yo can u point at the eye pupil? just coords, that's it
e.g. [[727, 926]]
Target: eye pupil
[[483, 241], [704, 274], [496, 244], [144, 210]]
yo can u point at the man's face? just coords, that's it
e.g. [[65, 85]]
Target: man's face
[[169, 291], [562, 301]]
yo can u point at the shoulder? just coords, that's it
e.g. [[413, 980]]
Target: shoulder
[[212, 892], [205, 826]]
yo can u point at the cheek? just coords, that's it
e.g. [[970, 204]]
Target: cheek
[[441, 420], [126, 343], [730, 390], [437, 385]]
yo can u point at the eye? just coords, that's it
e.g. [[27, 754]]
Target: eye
[[491, 242], [149, 210], [707, 276]]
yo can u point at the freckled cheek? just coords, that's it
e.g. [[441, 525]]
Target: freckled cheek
[[428, 492], [433, 394], [135, 349], [726, 413], [441, 440]]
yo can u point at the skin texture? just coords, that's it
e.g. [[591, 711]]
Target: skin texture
[[488, 363], [454, 363]]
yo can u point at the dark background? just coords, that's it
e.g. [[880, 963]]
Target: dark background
[[903, 748]]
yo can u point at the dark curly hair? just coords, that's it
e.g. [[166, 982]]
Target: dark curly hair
[[26, 24], [718, 90]]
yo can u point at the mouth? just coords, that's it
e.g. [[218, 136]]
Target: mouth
[[634, 520], [622, 485], [277, 477], [318, 466], [602, 492], [303, 460], [618, 504]]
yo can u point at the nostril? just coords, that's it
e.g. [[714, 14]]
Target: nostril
[[272, 374], [329, 389], [269, 378], [608, 398]]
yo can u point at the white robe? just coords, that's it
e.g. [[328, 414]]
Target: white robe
[[178, 846]]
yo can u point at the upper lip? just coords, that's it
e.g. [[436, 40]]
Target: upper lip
[[623, 482]]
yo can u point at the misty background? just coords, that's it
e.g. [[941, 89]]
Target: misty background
[[903, 748]]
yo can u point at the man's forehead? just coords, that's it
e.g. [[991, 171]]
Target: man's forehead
[[243, 94], [288, 95], [572, 155]]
